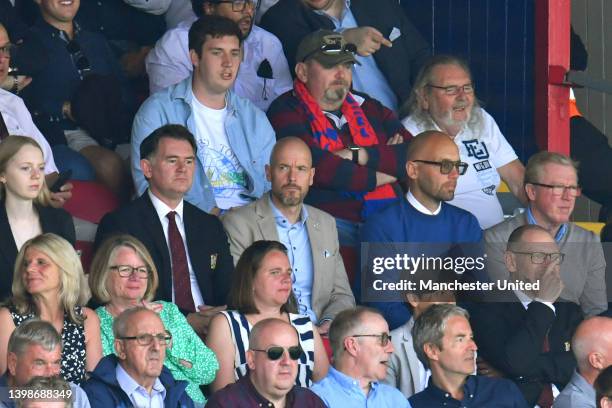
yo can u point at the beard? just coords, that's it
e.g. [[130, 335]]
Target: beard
[[448, 121], [289, 198], [336, 93]]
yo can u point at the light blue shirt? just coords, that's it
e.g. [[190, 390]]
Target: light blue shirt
[[367, 77], [295, 238], [560, 234], [338, 390], [138, 394]]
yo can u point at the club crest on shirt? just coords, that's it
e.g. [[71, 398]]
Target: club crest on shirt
[[477, 149]]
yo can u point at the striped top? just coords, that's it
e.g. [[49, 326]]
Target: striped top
[[240, 328]]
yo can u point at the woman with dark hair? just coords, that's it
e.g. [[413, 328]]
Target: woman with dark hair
[[25, 210], [262, 290]]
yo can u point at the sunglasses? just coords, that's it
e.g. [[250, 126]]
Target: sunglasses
[[446, 166], [384, 338], [276, 352], [79, 59], [333, 46]]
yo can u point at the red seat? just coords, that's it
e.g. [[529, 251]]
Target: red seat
[[90, 201]]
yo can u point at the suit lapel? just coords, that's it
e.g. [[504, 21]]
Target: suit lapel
[[313, 225], [411, 357], [265, 218], [7, 245]]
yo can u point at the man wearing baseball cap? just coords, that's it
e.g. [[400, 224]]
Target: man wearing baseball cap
[[357, 144]]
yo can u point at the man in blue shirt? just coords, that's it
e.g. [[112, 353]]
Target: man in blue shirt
[[444, 343], [233, 137], [361, 345]]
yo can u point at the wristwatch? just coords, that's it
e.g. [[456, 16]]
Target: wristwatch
[[355, 149]]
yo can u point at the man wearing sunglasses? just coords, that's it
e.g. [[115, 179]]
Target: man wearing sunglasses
[[264, 72], [362, 347], [274, 350], [136, 375], [443, 99], [551, 184], [422, 216], [524, 330]]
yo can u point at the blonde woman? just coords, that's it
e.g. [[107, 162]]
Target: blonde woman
[[122, 276], [49, 283], [25, 210]]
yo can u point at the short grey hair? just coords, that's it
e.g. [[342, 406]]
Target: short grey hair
[[34, 332], [533, 170], [60, 391], [345, 324], [429, 327], [121, 323]]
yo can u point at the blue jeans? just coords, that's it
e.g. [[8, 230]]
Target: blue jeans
[[66, 158]]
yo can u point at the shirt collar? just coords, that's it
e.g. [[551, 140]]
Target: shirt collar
[[279, 217], [346, 381], [420, 207], [261, 400], [562, 229], [523, 298], [127, 383], [162, 209], [41, 23], [469, 386]]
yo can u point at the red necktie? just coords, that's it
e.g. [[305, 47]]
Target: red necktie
[[3, 129], [546, 396], [180, 268]]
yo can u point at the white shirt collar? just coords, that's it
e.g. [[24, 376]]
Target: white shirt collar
[[162, 209], [420, 207]]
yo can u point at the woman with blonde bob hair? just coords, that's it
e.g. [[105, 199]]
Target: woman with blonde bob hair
[[25, 210], [49, 283], [123, 275]]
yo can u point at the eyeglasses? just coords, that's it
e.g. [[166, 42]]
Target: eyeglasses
[[453, 90], [239, 5], [384, 338], [539, 258], [446, 166], [559, 190], [125, 271], [145, 339], [276, 352], [7, 50], [79, 59], [333, 45]]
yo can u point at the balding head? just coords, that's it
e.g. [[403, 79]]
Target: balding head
[[291, 143], [592, 346], [422, 146]]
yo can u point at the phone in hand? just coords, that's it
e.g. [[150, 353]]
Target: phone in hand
[[64, 176]]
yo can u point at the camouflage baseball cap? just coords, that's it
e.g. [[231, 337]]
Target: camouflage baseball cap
[[327, 47]]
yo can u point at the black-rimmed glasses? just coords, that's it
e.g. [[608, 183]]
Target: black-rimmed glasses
[[559, 190], [79, 59], [125, 271], [238, 5], [384, 338], [539, 258], [446, 166], [453, 90], [276, 352], [7, 50], [145, 339]]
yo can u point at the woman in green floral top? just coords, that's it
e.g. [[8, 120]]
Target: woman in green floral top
[[123, 275]]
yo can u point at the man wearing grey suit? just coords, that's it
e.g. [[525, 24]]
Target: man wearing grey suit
[[320, 283], [551, 184]]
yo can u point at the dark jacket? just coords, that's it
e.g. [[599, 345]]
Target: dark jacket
[[207, 245], [103, 389], [291, 20], [55, 220]]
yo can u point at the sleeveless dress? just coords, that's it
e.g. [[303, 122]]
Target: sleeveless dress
[[241, 328], [73, 339]]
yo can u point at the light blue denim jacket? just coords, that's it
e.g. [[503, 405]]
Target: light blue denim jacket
[[249, 133]]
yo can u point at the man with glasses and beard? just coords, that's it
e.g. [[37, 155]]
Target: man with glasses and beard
[[272, 358], [264, 72], [423, 216], [443, 99], [357, 145], [320, 284], [362, 347], [136, 376]]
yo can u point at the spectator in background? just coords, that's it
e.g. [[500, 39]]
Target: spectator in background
[[592, 347], [175, 12], [320, 284], [25, 209], [552, 187], [263, 74], [603, 388], [390, 48], [49, 283], [123, 276], [262, 290], [234, 138], [272, 357], [443, 99], [47, 392]]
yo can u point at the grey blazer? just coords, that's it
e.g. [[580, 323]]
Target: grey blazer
[[403, 371], [331, 292], [582, 272]]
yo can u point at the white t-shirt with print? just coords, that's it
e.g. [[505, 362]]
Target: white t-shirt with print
[[226, 175], [485, 149]]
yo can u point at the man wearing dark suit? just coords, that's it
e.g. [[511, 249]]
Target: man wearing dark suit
[[189, 247], [390, 47], [527, 337]]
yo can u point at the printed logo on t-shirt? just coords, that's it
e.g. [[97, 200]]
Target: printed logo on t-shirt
[[223, 170], [477, 149], [489, 190], [483, 165]]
